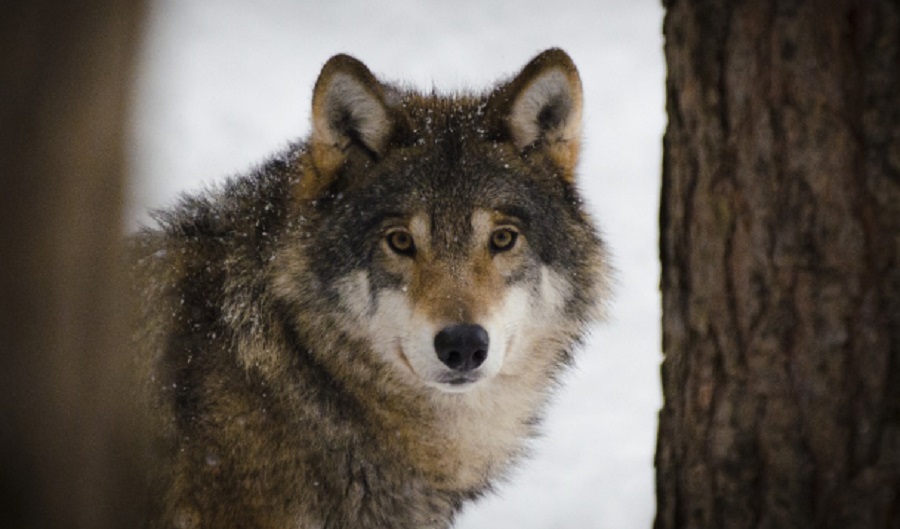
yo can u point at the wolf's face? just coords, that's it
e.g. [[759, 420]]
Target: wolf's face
[[448, 230], [449, 300]]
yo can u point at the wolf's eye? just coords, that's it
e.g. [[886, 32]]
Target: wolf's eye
[[401, 242], [503, 240]]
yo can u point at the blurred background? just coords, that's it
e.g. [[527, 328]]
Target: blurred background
[[221, 85]]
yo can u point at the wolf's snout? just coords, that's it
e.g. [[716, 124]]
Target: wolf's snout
[[462, 347]]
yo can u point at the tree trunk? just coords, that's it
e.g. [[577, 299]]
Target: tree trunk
[[780, 249], [70, 434]]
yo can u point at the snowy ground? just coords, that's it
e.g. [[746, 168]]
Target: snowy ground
[[224, 83]]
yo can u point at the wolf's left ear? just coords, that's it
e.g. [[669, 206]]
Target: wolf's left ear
[[350, 116], [541, 108]]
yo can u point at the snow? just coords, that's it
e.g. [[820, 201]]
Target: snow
[[224, 84]]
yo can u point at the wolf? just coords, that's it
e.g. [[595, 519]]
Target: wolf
[[363, 331]]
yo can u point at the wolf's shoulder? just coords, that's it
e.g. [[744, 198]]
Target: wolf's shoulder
[[238, 216], [239, 206]]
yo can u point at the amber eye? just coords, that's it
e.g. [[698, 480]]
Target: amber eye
[[503, 240], [401, 242]]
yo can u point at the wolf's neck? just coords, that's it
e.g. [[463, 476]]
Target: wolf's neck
[[464, 441]]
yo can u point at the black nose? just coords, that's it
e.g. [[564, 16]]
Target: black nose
[[462, 347]]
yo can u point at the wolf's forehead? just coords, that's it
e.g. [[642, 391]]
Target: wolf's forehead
[[447, 177], [450, 188]]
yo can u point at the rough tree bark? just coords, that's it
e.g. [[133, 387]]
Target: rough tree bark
[[780, 248], [69, 440]]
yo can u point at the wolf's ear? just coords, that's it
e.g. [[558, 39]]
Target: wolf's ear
[[541, 108], [349, 113]]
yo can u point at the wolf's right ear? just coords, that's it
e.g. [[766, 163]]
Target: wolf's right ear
[[539, 110], [349, 112]]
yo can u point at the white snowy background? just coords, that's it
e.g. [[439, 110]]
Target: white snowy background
[[224, 83]]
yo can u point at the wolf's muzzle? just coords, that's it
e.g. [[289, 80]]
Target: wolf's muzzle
[[462, 347]]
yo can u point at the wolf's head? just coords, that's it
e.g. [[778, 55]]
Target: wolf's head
[[446, 232]]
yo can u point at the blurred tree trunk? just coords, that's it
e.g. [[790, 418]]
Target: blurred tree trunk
[[780, 248], [70, 440]]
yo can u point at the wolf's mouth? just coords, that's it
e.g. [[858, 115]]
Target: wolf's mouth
[[460, 380]]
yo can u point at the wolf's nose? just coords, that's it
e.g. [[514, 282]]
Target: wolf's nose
[[462, 347]]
